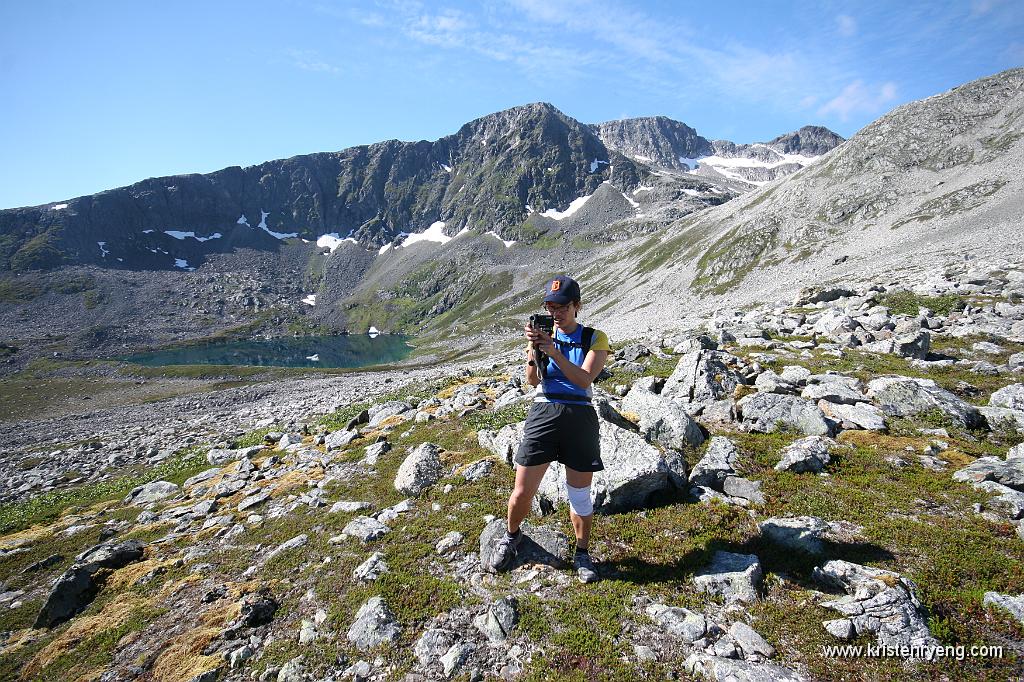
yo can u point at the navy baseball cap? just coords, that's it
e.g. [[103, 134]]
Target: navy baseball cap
[[561, 289]]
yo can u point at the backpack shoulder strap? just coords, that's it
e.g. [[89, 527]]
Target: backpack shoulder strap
[[586, 339]]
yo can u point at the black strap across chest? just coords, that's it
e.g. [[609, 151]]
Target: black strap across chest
[[586, 339]]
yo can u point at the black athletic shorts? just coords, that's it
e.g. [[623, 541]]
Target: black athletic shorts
[[563, 433]]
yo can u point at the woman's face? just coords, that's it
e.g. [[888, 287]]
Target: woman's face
[[565, 315]]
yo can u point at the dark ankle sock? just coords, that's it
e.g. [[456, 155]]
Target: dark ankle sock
[[582, 550], [513, 535]]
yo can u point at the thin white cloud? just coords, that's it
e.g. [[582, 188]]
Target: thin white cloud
[[846, 25], [307, 60], [859, 98], [980, 8]]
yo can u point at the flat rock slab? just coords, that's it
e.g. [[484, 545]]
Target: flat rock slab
[[541, 545], [1008, 472], [860, 416], [678, 622], [736, 577], [364, 528], [770, 412], [152, 492], [732, 670], [899, 396], [800, 533], [1013, 604]]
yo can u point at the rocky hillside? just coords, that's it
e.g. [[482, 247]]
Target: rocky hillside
[[924, 188], [842, 470]]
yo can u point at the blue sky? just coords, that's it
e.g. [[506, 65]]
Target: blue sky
[[101, 94]]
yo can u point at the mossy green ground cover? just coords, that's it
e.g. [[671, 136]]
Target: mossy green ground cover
[[910, 519]]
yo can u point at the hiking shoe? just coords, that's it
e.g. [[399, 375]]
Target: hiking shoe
[[505, 551], [585, 569]]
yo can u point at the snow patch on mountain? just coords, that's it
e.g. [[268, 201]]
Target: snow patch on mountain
[[492, 233], [333, 240], [178, 234], [574, 206]]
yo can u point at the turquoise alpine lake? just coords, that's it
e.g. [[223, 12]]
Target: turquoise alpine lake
[[290, 351]]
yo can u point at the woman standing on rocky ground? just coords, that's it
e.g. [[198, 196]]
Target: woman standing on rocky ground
[[561, 426]]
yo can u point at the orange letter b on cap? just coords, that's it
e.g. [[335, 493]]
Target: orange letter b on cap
[[556, 285]]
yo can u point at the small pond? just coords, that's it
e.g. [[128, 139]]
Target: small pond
[[292, 351]]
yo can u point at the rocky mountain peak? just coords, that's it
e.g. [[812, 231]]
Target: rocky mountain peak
[[658, 140], [808, 141]]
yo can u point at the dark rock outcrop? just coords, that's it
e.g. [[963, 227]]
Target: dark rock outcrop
[[74, 590]]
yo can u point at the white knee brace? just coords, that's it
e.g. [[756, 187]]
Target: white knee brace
[[579, 500]]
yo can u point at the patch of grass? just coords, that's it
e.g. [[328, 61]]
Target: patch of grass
[[17, 291], [494, 420], [44, 508], [905, 302]]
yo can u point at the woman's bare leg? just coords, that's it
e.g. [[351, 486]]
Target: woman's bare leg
[[528, 480]]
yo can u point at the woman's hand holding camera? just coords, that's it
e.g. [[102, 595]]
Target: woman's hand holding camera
[[542, 341]]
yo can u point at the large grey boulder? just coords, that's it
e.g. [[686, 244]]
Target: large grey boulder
[[662, 420], [77, 587], [634, 471], [541, 544], [374, 625], [769, 412], [504, 442], [703, 376], [877, 602], [717, 464], [719, 669], [900, 396], [914, 344], [685, 624], [152, 492], [1009, 397], [807, 454], [735, 577], [420, 470], [860, 416], [835, 389]]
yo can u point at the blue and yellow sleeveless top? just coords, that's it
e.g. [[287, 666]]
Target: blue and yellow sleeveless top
[[555, 382]]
